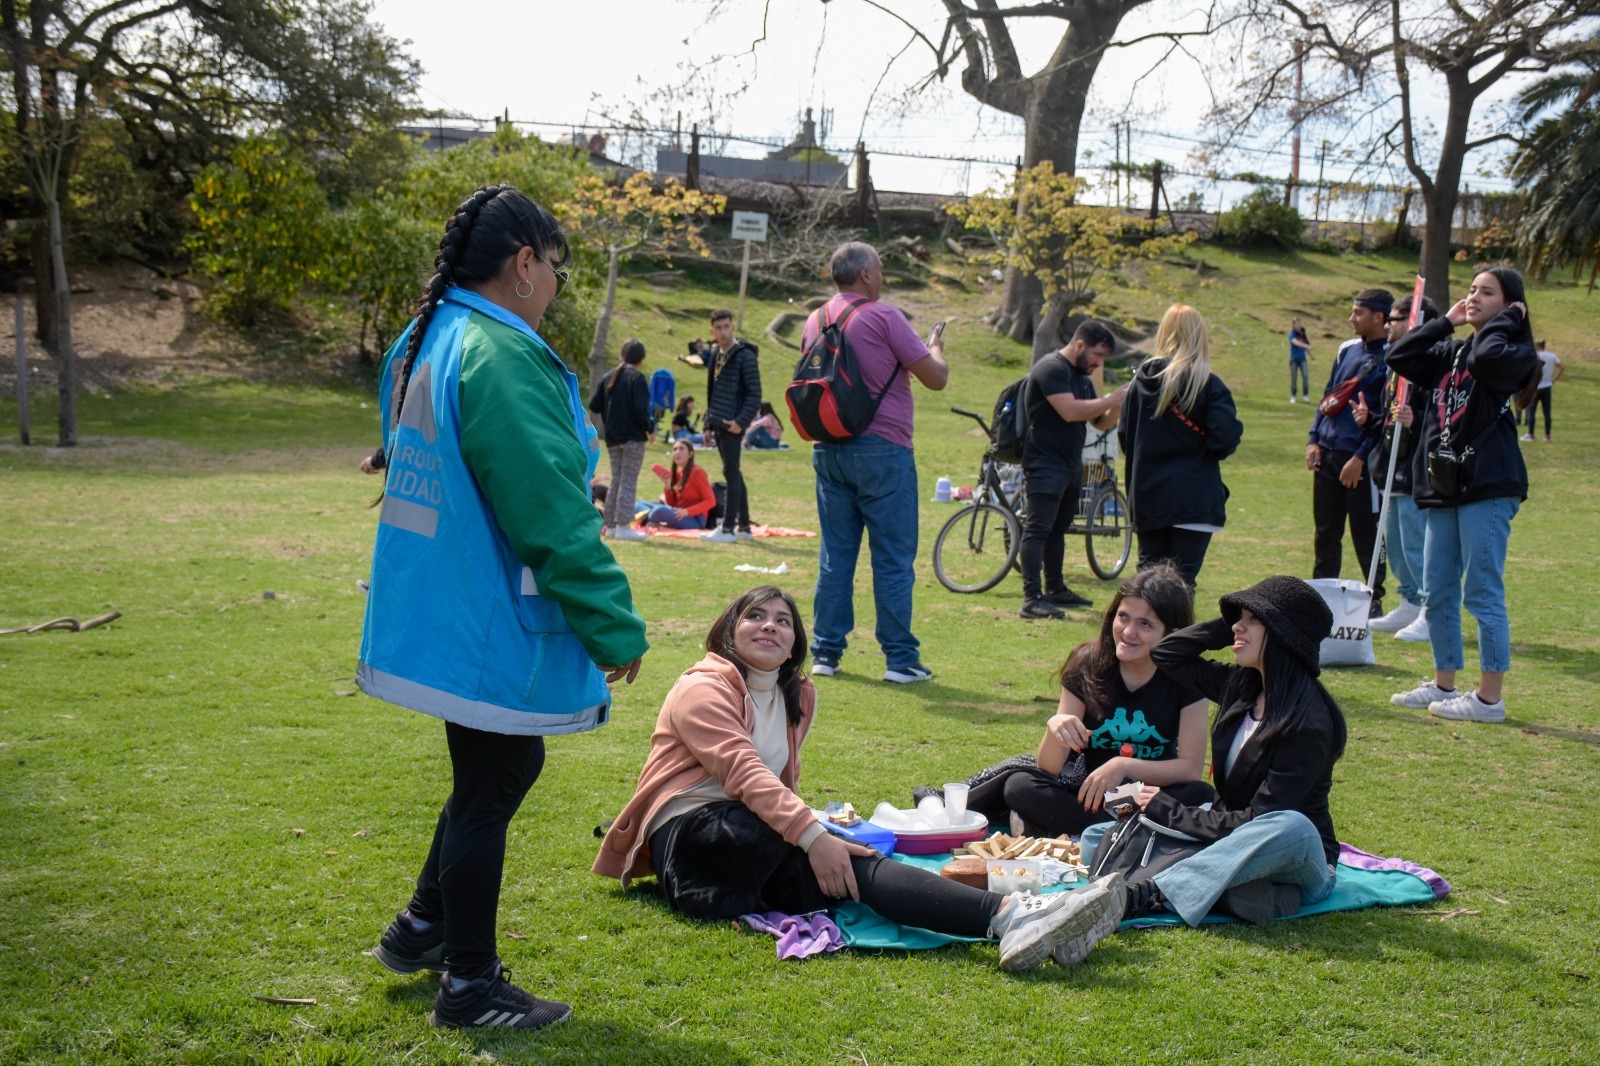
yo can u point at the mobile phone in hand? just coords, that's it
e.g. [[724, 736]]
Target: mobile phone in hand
[[938, 331]]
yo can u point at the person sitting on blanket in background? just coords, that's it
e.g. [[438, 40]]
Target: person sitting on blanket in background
[[1119, 720], [687, 498], [715, 815], [1269, 847], [766, 432]]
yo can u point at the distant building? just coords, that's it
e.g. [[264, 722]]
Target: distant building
[[801, 162]]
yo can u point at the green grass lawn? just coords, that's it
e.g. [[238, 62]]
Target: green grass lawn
[[196, 809]]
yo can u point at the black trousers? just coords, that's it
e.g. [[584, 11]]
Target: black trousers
[[1049, 808], [1332, 505], [736, 513], [722, 860], [1052, 504], [1183, 548], [1541, 401], [460, 881]]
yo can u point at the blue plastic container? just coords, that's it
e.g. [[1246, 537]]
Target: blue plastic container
[[865, 832]]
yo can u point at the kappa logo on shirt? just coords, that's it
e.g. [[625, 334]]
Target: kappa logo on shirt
[[1132, 737]]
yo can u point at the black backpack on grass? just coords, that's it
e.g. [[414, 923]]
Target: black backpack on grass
[[829, 400]]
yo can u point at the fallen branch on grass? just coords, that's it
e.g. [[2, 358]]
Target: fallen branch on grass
[[66, 623]]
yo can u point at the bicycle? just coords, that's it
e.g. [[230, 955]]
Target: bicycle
[[966, 557]]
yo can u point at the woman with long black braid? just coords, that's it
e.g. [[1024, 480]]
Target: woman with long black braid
[[494, 604]]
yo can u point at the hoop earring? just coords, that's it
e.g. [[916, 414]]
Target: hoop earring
[[524, 295]]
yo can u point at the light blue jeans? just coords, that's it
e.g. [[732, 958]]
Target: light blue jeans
[[1403, 536], [866, 485], [1281, 846], [1465, 562]]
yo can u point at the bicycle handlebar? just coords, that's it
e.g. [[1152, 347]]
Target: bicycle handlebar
[[975, 417]]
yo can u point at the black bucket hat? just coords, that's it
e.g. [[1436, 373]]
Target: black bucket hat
[[1294, 614]]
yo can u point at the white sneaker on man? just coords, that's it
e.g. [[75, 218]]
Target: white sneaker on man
[[1426, 694], [1417, 631], [1397, 619], [1469, 708], [718, 536]]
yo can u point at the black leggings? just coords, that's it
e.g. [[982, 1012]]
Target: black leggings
[[1049, 808], [736, 509], [460, 881], [1183, 548], [688, 859], [1542, 400]]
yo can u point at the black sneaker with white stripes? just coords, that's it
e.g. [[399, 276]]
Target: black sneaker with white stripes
[[492, 1001]]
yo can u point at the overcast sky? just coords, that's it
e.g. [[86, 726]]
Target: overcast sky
[[569, 64]]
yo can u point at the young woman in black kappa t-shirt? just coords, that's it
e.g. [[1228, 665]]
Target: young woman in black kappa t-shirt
[[1128, 721]]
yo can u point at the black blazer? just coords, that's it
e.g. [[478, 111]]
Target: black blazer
[[1293, 771], [1173, 465]]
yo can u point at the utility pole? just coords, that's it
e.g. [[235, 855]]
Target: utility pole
[[691, 168], [1299, 107], [1322, 158]]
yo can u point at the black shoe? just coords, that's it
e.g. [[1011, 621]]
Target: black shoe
[[1068, 598], [1260, 901], [824, 664], [492, 1001], [1041, 609], [1143, 898], [405, 949], [1376, 610]]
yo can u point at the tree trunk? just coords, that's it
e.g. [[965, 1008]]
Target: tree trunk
[[66, 357], [1434, 262], [44, 281], [1052, 120], [602, 326]]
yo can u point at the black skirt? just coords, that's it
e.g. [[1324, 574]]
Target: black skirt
[[722, 860]]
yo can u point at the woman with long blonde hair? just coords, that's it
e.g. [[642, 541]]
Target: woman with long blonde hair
[[1178, 424]]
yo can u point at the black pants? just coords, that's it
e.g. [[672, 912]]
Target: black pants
[[1183, 548], [1542, 400], [736, 513], [1331, 506], [460, 881], [1049, 808], [722, 860], [1052, 504]]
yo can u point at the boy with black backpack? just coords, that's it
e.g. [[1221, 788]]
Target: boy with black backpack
[[868, 480]]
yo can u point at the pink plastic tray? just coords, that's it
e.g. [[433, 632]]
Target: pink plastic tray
[[934, 841]]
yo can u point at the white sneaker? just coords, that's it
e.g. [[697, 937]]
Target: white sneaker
[[1469, 708], [1427, 694], [718, 536], [744, 534], [1397, 619], [1417, 631], [1291, 398], [627, 533], [1526, 436], [907, 675], [1035, 926]]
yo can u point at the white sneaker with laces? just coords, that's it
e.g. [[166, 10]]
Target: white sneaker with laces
[[906, 675], [1426, 694], [718, 536], [1417, 631], [1032, 928], [744, 534], [1397, 619], [627, 533], [1469, 708]]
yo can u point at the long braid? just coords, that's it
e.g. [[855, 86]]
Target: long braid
[[457, 233]]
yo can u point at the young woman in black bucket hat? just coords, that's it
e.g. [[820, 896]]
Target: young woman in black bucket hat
[[1270, 844]]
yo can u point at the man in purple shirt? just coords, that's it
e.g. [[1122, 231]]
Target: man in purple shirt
[[870, 481]]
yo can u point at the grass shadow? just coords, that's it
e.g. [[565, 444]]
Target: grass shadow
[[583, 1040]]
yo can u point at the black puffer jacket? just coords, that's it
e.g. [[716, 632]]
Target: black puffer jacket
[[1473, 382], [625, 406], [733, 387], [1173, 464]]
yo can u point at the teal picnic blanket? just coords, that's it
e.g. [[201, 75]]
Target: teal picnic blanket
[[1362, 880]]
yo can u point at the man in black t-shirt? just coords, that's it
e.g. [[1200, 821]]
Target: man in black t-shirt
[[1061, 398]]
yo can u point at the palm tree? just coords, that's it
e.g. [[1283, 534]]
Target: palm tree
[[1558, 167]]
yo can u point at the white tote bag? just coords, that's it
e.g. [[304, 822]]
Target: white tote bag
[[1351, 641]]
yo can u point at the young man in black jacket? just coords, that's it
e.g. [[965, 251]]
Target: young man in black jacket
[[733, 394]]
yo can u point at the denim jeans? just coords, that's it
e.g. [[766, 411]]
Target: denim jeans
[[1464, 561], [1297, 369], [1281, 846], [866, 484], [661, 515], [1404, 533]]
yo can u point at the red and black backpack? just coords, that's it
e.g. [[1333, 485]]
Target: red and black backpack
[[829, 400]]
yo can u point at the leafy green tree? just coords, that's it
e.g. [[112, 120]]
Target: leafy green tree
[[1262, 218], [1558, 168]]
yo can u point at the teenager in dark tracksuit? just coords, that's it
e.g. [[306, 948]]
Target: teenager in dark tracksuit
[[733, 395], [1337, 449], [1178, 424], [1474, 382]]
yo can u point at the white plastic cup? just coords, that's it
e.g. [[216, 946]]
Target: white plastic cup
[[941, 490], [932, 812], [955, 802]]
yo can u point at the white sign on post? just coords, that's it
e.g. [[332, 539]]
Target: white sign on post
[[747, 226], [750, 226]]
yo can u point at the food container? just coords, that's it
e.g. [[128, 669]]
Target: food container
[[863, 832], [1016, 875], [912, 840]]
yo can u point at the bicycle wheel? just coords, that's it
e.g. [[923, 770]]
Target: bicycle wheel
[[975, 548], [1109, 535]]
